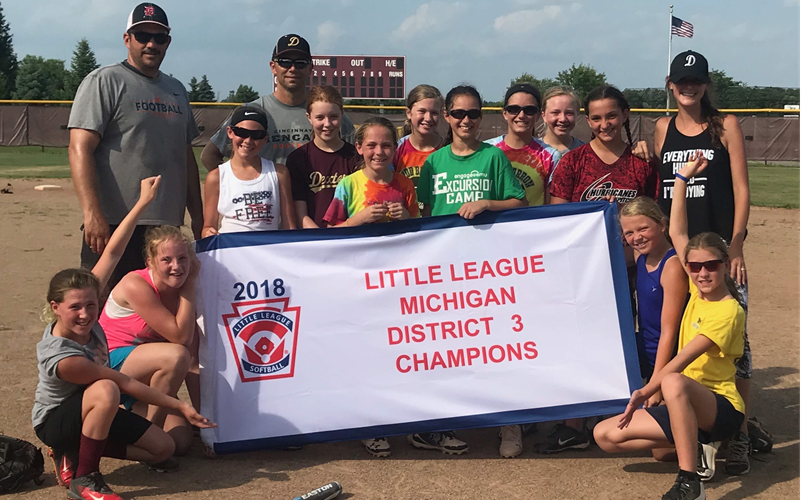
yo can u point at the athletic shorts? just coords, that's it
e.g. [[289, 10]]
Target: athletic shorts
[[62, 428], [131, 260], [728, 421], [116, 359]]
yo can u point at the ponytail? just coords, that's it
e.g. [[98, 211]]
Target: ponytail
[[626, 124], [714, 119]]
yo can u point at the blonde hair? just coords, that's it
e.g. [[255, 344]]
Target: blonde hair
[[158, 235], [561, 90], [645, 206], [419, 93], [715, 245], [324, 93], [64, 281]]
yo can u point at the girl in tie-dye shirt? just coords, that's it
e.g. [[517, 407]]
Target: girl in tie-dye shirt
[[374, 193], [425, 103]]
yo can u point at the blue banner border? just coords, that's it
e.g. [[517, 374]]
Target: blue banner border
[[622, 300]]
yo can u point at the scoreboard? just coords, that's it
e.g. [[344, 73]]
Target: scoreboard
[[360, 77]]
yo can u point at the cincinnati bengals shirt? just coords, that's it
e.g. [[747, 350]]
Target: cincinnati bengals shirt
[[582, 176]]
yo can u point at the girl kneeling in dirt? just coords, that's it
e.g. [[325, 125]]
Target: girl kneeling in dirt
[[149, 319], [76, 410]]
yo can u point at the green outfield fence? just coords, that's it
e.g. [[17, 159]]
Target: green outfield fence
[[44, 123]]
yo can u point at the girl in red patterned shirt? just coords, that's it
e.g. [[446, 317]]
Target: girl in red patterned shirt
[[604, 169]]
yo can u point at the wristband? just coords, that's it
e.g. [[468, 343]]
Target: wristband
[[680, 176]]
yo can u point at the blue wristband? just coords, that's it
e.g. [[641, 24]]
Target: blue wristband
[[682, 177]]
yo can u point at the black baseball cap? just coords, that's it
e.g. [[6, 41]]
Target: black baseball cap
[[288, 44], [689, 64], [252, 113], [148, 13], [523, 87]]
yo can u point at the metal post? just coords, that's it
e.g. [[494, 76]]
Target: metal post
[[670, 40]]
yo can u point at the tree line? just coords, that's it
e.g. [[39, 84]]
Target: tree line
[[36, 78]]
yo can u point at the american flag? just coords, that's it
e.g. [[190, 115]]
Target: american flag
[[681, 28]]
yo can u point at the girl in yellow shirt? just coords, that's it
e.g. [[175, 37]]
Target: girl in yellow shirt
[[698, 384]]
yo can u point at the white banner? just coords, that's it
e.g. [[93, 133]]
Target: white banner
[[421, 325]]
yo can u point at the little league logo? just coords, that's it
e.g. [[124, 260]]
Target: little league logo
[[263, 336]]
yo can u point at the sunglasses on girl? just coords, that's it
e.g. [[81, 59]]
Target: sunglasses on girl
[[297, 63], [460, 114], [711, 266], [514, 109], [243, 133], [144, 37]]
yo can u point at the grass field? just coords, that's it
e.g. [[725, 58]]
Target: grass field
[[771, 185]]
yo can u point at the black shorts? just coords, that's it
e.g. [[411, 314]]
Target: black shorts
[[131, 260], [62, 428], [728, 421]]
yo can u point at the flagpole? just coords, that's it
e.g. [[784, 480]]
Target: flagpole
[[670, 40]]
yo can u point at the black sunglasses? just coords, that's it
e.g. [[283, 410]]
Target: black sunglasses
[[514, 109], [243, 133], [460, 114], [287, 63], [711, 266], [144, 37]]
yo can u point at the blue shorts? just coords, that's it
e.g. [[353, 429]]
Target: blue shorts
[[728, 421], [116, 359]]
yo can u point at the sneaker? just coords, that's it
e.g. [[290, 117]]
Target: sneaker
[[168, 465], [564, 438], [91, 487], [511, 441], [377, 447], [444, 441], [685, 489], [61, 467], [738, 459], [707, 461], [761, 440], [529, 429]]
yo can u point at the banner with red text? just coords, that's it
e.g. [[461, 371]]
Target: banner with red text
[[413, 326]]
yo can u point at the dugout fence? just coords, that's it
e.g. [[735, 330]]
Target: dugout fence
[[767, 138]]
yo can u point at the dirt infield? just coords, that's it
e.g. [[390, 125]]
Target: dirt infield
[[40, 235]]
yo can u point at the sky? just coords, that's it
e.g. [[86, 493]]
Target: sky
[[483, 42]]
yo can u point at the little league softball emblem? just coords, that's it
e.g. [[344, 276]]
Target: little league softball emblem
[[263, 336]]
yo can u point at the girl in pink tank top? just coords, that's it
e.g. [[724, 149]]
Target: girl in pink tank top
[[123, 326], [149, 320]]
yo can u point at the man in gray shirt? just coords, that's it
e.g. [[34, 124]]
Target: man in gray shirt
[[288, 127], [130, 121]]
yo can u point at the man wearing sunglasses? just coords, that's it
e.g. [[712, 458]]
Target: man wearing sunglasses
[[288, 127], [130, 121]]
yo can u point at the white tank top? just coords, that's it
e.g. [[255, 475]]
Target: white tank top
[[252, 205]]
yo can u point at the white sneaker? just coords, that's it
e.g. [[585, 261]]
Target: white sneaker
[[511, 441], [377, 447]]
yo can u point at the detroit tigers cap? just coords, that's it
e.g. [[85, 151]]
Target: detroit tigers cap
[[291, 43], [523, 87], [148, 13], [252, 113], [689, 64]]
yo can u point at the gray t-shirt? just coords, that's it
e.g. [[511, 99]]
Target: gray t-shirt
[[51, 391], [288, 128], [145, 125]]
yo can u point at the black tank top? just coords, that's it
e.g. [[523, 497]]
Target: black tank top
[[711, 202]]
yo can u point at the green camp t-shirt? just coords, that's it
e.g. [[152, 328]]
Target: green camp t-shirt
[[448, 181]]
